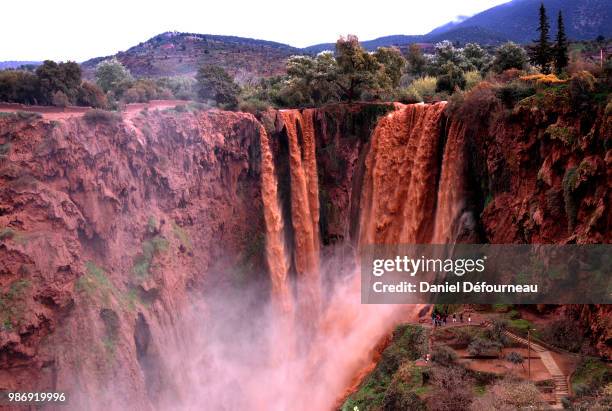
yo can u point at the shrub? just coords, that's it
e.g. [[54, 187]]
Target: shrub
[[590, 376], [514, 315], [181, 87], [409, 96], [510, 394], [60, 99], [253, 106], [480, 347], [496, 332], [581, 87], [112, 76], [543, 79], [451, 79], [19, 87], [443, 355], [515, 358], [216, 84], [564, 134], [565, 334], [571, 207], [509, 56], [513, 92], [424, 88], [478, 104], [408, 344], [472, 78], [97, 116], [53, 77], [399, 398], [92, 96], [452, 389]]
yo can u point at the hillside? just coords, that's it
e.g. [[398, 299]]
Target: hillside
[[173, 53], [517, 20]]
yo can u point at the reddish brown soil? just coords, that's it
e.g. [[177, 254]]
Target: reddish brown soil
[[60, 113]]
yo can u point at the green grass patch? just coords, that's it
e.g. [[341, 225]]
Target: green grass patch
[[144, 260], [520, 327], [182, 236], [7, 234], [502, 308], [395, 380], [13, 304], [94, 283]]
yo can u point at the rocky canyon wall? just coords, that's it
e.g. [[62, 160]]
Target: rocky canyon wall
[[106, 230]]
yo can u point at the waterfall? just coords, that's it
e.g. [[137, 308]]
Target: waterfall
[[407, 196], [304, 212], [399, 194], [451, 191]]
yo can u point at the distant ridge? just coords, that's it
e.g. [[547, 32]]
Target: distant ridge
[[513, 21], [517, 19], [16, 64]]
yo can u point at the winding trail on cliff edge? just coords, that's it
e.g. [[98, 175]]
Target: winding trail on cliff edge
[[61, 113]]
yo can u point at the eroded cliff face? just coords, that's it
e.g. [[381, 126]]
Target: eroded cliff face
[[105, 230], [110, 231]]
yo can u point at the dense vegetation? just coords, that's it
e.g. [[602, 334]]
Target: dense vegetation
[[349, 73]]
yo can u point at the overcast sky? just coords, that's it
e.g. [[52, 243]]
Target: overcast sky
[[79, 30]]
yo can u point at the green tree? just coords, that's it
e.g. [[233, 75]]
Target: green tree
[[393, 64], [560, 51], [214, 83], [19, 87], [446, 53], [541, 53], [452, 78], [310, 80], [416, 60], [357, 69], [113, 76], [54, 77], [509, 56], [476, 57]]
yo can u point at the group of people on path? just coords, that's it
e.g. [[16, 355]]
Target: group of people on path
[[440, 319]]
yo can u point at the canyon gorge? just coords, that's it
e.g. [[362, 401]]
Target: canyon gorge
[[188, 258]]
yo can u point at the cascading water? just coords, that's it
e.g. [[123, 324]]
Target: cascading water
[[399, 193], [451, 192], [314, 351], [397, 206], [304, 212]]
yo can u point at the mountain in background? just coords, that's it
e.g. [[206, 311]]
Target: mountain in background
[[174, 53], [17, 64], [518, 19]]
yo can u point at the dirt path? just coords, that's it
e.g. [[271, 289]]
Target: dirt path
[[61, 113], [560, 379]]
